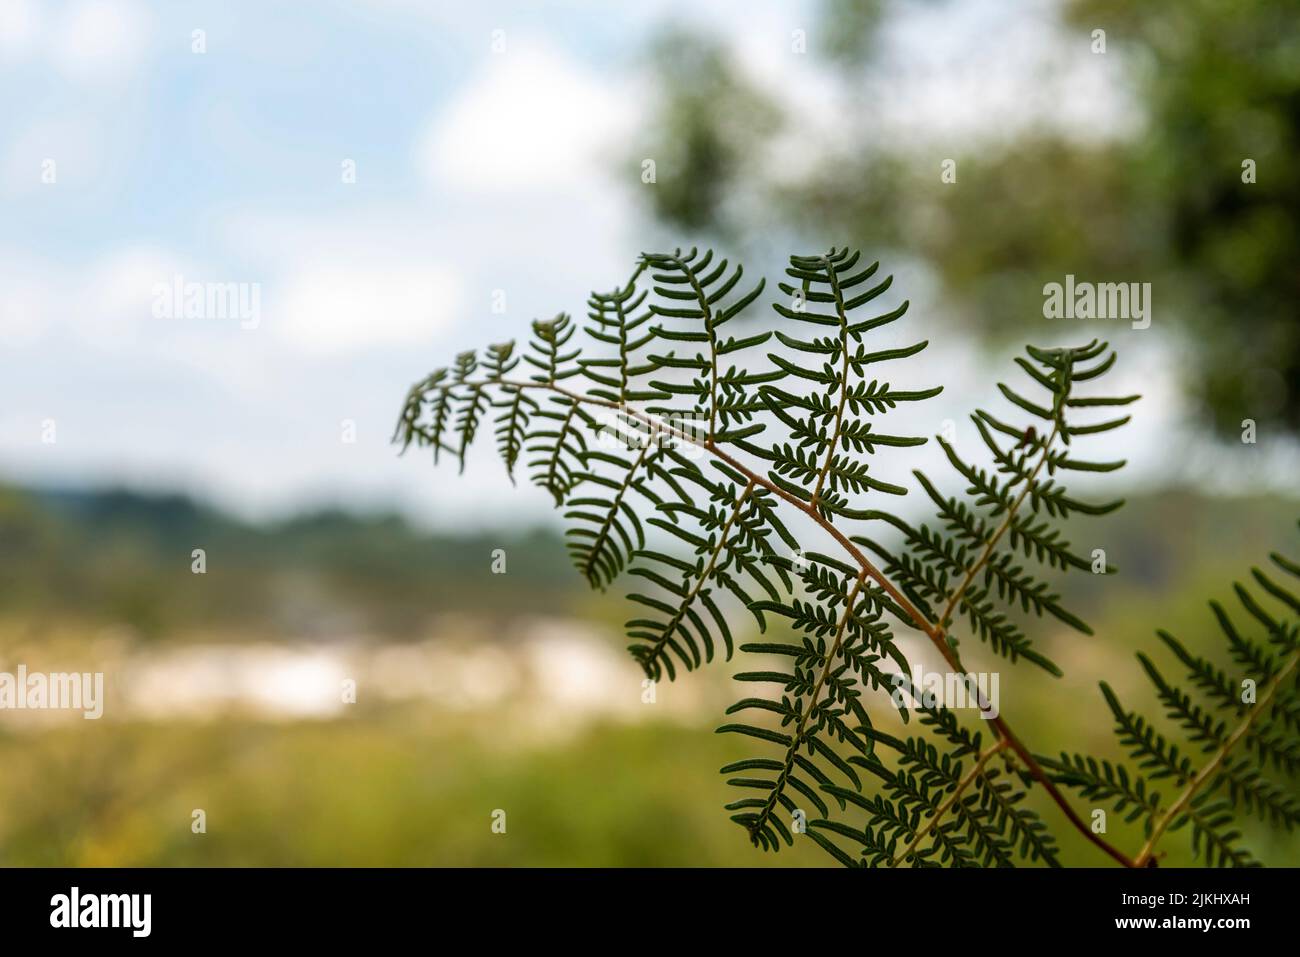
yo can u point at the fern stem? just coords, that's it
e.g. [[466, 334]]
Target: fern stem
[[589, 566], [983, 560], [722, 539], [933, 631], [1144, 857], [998, 745], [1032, 766], [713, 340], [844, 382], [512, 425], [658, 646], [553, 462], [622, 332], [796, 739]]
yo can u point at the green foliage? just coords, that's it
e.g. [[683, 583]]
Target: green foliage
[[821, 462], [959, 568], [654, 425], [1246, 720], [1205, 85]]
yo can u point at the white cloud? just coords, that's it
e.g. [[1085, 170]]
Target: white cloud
[[100, 39], [104, 303], [28, 305], [117, 297], [376, 280], [19, 28], [325, 310], [532, 119]]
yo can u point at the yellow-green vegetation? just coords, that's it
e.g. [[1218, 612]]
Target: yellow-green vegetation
[[416, 784], [396, 789]]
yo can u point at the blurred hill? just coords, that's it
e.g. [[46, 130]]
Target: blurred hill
[[123, 557], [118, 557]]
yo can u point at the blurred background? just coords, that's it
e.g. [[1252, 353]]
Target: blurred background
[[402, 180]]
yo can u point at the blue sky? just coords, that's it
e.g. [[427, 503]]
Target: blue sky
[[477, 170], [227, 166]]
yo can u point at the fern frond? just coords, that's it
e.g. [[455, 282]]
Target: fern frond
[[1103, 781], [432, 394], [716, 394], [732, 543], [557, 448], [820, 701], [975, 563], [607, 532], [619, 319], [612, 425], [828, 427], [516, 406], [1003, 802], [1260, 721]]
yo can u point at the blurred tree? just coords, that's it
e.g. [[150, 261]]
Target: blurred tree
[[1222, 86], [1217, 83], [707, 126]]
